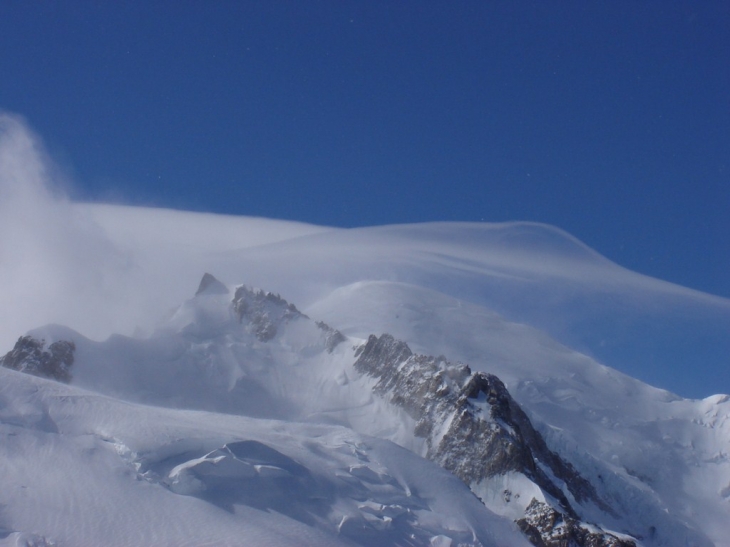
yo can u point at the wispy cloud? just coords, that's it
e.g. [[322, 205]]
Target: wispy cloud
[[55, 263], [99, 269]]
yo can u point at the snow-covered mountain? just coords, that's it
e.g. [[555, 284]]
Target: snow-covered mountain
[[437, 384], [555, 447]]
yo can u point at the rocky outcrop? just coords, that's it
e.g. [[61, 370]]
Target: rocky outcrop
[[32, 356], [264, 313], [332, 337], [471, 424], [546, 527]]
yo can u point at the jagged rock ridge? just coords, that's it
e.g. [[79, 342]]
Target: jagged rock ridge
[[475, 429], [265, 312], [546, 527]]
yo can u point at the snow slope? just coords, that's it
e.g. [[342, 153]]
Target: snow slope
[[83, 469], [656, 452]]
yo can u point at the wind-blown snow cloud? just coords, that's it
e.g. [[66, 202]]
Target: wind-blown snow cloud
[[55, 264], [100, 269]]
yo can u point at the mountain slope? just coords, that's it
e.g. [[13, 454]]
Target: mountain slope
[[666, 454], [83, 469], [250, 352]]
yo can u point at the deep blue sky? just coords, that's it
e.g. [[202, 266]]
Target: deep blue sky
[[609, 119]]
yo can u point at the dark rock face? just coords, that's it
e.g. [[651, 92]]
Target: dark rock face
[[546, 527], [472, 425], [263, 310], [504, 409], [333, 337], [31, 356], [266, 312]]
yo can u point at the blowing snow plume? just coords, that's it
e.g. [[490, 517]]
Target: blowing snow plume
[[99, 269], [54, 264]]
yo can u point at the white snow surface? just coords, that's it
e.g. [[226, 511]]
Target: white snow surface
[[83, 469]]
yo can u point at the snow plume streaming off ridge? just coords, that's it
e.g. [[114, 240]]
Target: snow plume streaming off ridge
[[55, 266], [100, 269]]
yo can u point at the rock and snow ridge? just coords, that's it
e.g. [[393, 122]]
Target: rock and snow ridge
[[35, 357], [257, 355], [474, 429]]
